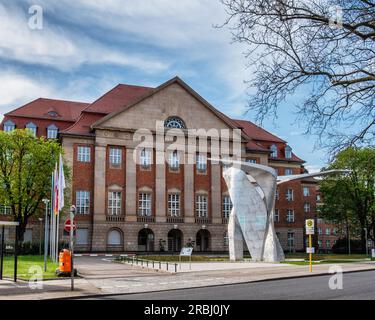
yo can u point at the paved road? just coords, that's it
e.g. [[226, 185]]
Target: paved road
[[359, 285]]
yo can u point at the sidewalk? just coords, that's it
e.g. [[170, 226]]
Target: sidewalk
[[52, 289], [103, 277]]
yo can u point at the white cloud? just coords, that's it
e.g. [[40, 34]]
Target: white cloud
[[183, 30], [57, 47], [313, 168], [17, 89]]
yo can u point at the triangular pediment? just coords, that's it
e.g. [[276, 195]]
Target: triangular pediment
[[172, 99]]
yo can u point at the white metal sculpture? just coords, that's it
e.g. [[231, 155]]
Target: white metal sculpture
[[253, 198]]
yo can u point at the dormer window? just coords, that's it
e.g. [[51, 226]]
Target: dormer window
[[273, 149], [52, 114], [288, 152], [174, 122], [32, 127], [9, 126], [52, 131]]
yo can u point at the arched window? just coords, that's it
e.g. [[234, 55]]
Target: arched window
[[174, 122], [114, 238], [32, 127], [288, 152], [273, 149], [52, 131], [9, 126]]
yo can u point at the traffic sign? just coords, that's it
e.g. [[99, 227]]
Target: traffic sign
[[186, 251], [310, 229], [67, 225], [310, 250]]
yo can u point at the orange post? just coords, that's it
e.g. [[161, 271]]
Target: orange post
[[65, 265]]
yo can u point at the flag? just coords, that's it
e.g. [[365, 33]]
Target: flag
[[55, 190], [61, 184]]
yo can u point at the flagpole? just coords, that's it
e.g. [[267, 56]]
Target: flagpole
[[51, 220], [57, 236]]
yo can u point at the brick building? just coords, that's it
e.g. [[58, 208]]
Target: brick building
[[128, 205]]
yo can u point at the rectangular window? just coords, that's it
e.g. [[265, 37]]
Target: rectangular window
[[320, 243], [307, 207], [145, 159], [83, 154], [227, 206], [201, 163], [290, 215], [277, 194], [6, 234], [82, 236], [328, 244], [306, 191], [328, 231], [114, 203], [318, 197], [52, 133], [174, 204], [226, 239], [202, 206], [277, 215], [115, 157], [320, 231], [288, 172], [249, 160], [5, 210], [8, 127], [174, 162], [28, 236], [290, 239], [335, 232], [83, 202], [289, 195], [144, 204]]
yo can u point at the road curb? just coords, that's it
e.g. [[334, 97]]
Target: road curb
[[208, 286]]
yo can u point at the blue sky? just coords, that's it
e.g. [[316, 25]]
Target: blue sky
[[86, 47]]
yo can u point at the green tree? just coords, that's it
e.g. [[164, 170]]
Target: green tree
[[26, 164], [350, 198]]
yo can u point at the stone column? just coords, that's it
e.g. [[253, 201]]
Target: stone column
[[99, 185], [189, 193], [131, 186], [99, 231], [160, 200], [216, 193]]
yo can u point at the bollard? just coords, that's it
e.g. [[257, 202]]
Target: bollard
[[159, 265], [153, 263], [175, 267], [167, 266], [147, 263]]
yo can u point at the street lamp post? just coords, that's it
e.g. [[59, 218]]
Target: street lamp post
[[40, 235], [72, 214], [366, 240], [46, 202]]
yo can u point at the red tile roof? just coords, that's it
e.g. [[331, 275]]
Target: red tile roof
[[84, 114], [257, 133], [118, 97], [39, 108], [113, 100]]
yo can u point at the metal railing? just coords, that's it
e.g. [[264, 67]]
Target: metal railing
[[152, 264]]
